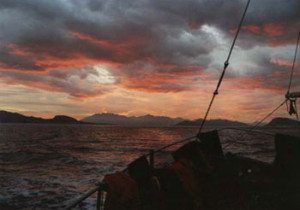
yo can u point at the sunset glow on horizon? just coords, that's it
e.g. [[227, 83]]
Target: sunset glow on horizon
[[155, 57]]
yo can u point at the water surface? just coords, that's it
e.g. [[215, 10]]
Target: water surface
[[43, 166]]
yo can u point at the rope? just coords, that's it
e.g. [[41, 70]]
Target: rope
[[268, 115], [293, 66], [289, 87], [173, 144], [292, 108], [226, 64], [81, 198], [244, 129], [78, 200], [234, 140], [95, 189], [286, 99], [202, 123], [263, 119]]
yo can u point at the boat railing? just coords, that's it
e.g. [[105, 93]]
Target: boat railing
[[100, 187]]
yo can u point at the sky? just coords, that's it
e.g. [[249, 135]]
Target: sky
[[136, 57]]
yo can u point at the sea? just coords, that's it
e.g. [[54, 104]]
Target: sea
[[47, 166]]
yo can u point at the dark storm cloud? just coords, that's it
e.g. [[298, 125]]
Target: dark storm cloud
[[8, 59], [43, 35], [44, 26]]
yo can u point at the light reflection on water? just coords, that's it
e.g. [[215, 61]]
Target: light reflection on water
[[45, 165]]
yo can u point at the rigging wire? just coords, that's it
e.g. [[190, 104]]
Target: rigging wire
[[210, 105], [268, 115], [251, 129], [293, 66], [292, 107], [289, 87], [224, 69], [283, 102]]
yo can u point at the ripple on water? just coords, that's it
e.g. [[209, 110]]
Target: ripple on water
[[43, 166]]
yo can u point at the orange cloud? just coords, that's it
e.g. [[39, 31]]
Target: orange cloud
[[167, 78], [274, 33], [253, 29], [268, 29], [126, 49], [273, 29]]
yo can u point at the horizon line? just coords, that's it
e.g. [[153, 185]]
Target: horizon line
[[183, 119]]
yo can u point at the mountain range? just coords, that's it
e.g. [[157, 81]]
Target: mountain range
[[213, 122], [280, 121], [146, 120]]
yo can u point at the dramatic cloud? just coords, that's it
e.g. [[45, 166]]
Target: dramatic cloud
[[79, 83], [93, 48]]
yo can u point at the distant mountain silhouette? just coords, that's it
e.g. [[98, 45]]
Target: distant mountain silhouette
[[280, 121], [10, 117], [64, 119], [214, 122], [146, 120]]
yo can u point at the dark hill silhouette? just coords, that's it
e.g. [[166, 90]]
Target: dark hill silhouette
[[146, 120], [214, 122], [10, 117], [64, 119], [280, 121]]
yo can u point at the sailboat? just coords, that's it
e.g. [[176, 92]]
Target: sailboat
[[202, 177]]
